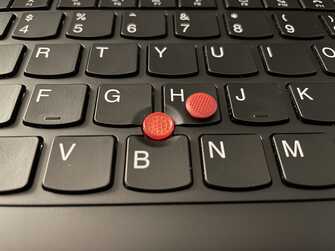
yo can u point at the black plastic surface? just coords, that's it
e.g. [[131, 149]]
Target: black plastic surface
[[232, 227]]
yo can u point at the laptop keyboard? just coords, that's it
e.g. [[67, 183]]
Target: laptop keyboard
[[164, 101]]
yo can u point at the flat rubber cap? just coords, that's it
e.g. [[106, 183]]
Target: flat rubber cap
[[158, 126], [201, 105]]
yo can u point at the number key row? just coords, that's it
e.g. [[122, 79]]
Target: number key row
[[192, 25], [87, 25]]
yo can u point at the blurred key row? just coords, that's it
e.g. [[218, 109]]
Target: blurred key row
[[324, 5], [320, 5], [85, 164], [64, 105], [187, 24], [107, 4]]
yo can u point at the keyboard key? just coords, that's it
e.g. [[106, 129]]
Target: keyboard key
[[243, 4], [229, 60], [282, 4], [172, 60], [196, 25], [4, 4], [116, 4], [175, 97], [314, 102], [9, 100], [80, 164], [225, 169], [318, 4], [298, 25], [326, 55], [88, 25], [197, 4], [30, 4], [43, 25], [148, 164], [6, 20], [53, 60], [329, 22], [134, 100], [76, 4], [287, 59], [10, 59], [143, 25], [154, 4], [248, 25], [306, 160], [258, 103], [56, 105], [104, 60], [18, 157]]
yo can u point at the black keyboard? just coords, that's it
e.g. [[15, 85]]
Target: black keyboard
[[166, 101]]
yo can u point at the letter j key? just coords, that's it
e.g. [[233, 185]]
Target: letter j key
[[258, 103]]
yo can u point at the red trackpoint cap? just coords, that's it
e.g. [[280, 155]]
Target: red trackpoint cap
[[158, 126], [201, 105]]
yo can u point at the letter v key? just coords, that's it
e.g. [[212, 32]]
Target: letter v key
[[65, 156]]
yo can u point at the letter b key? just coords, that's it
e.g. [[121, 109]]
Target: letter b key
[[149, 166]]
